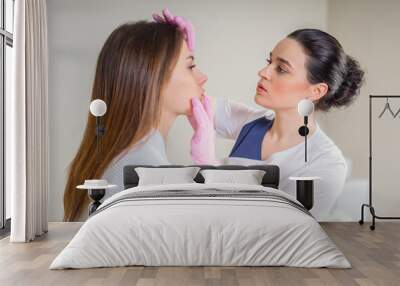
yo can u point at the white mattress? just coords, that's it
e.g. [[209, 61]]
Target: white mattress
[[182, 231]]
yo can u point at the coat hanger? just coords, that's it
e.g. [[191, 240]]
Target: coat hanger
[[398, 111], [387, 106]]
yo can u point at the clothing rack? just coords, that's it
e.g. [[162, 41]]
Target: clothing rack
[[369, 205]]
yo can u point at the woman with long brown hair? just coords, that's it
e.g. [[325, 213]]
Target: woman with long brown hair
[[146, 75]]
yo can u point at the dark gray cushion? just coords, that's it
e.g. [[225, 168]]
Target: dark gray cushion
[[270, 179]]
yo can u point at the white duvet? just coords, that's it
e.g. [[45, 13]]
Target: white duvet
[[181, 231]]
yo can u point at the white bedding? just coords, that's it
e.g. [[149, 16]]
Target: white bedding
[[181, 231]]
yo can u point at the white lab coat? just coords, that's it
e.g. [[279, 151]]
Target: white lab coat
[[324, 158]]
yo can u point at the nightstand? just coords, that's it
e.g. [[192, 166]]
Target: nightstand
[[305, 190], [96, 190]]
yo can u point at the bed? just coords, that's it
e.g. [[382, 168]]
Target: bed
[[201, 224]]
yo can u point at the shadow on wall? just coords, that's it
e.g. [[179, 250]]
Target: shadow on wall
[[348, 205]]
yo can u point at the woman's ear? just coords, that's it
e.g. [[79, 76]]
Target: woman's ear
[[318, 91]]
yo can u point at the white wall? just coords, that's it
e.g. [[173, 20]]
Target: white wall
[[233, 40], [369, 30]]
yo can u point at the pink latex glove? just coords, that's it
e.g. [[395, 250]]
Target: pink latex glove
[[203, 140], [183, 24]]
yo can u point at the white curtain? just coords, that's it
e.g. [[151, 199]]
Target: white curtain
[[27, 123]]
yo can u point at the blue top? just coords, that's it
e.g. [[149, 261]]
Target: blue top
[[249, 141]]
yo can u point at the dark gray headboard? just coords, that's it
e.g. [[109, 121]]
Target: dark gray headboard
[[270, 179]]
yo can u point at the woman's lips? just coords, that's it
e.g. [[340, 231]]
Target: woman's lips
[[261, 89]]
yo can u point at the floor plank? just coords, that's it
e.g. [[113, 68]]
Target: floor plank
[[374, 255]]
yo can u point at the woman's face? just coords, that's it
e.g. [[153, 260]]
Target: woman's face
[[283, 81], [186, 81]]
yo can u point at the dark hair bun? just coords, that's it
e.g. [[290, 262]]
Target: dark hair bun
[[328, 63], [349, 88]]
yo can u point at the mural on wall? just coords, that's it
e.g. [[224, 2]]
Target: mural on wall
[[147, 76]]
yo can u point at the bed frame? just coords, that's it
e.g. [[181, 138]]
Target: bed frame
[[304, 189]]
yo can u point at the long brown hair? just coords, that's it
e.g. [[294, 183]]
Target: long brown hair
[[134, 63]]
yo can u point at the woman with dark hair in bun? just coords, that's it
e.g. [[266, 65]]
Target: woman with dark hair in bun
[[307, 64]]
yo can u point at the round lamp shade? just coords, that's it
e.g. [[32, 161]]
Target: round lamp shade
[[305, 107], [98, 107]]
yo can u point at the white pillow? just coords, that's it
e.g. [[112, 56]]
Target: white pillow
[[248, 177], [162, 176]]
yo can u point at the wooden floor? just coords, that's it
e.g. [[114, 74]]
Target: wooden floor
[[374, 255]]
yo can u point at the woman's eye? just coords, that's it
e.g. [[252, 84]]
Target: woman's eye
[[269, 61], [192, 67], [280, 70]]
